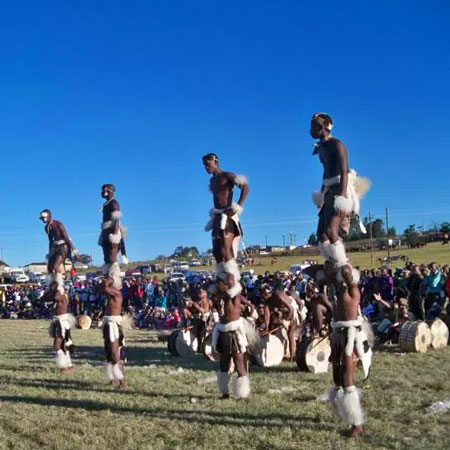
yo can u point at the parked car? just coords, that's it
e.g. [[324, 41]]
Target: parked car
[[176, 276], [18, 276]]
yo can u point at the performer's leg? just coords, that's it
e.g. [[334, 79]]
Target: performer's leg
[[241, 384], [349, 404], [223, 376], [291, 337], [117, 368], [63, 362], [216, 249]]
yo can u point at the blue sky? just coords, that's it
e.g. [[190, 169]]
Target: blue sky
[[133, 93]]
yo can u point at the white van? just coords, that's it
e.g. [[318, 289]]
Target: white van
[[18, 276]]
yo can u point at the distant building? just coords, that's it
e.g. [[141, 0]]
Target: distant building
[[4, 267], [41, 267]]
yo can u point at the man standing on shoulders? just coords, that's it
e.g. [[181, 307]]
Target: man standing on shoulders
[[224, 222]]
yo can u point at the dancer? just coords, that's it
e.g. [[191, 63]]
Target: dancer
[[113, 333], [350, 341], [279, 306], [60, 248], [60, 327], [112, 235], [340, 193], [321, 310], [199, 312], [229, 339], [224, 222]]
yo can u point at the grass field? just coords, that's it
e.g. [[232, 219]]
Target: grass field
[[169, 408], [432, 252]]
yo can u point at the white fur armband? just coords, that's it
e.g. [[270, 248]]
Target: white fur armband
[[343, 204], [115, 238], [116, 215], [318, 198], [240, 180], [237, 209]]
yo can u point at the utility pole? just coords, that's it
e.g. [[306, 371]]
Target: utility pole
[[371, 238], [266, 242], [284, 240], [1, 253], [387, 233]]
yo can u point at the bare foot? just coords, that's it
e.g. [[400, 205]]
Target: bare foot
[[355, 431], [67, 369], [122, 384]]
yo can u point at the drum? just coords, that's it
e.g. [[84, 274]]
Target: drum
[[207, 349], [164, 336], [414, 337], [282, 335], [313, 354], [84, 322], [269, 351], [171, 343], [186, 343], [439, 334]]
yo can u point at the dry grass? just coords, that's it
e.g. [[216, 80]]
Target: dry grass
[[42, 409]]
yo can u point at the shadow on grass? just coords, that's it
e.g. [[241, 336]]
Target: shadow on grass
[[189, 415], [135, 357], [86, 386]]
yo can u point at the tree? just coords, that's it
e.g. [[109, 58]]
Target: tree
[[312, 240], [377, 227], [445, 227], [392, 232], [355, 233], [178, 251], [411, 235]]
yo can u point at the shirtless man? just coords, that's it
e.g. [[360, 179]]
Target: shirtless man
[[113, 333], [112, 235], [230, 341], [349, 342], [321, 310], [337, 199], [199, 312], [277, 303], [224, 222], [60, 327], [60, 248]]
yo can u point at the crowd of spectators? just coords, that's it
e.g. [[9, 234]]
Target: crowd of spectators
[[388, 296]]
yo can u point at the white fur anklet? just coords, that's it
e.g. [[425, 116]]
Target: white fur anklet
[[241, 386], [107, 371], [349, 406], [117, 372]]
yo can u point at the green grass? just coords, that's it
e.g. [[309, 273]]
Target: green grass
[[432, 252], [39, 408]]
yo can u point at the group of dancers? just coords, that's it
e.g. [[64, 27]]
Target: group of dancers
[[112, 241], [334, 294]]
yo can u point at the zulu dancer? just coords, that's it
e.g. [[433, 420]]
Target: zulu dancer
[[60, 248], [229, 339], [200, 314], [113, 333], [341, 190], [112, 235], [279, 311], [349, 342], [321, 310], [60, 327], [224, 222]]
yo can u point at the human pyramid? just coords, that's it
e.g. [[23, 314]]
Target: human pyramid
[[335, 292], [112, 241]]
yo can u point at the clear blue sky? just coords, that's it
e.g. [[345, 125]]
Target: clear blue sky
[[135, 92]]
